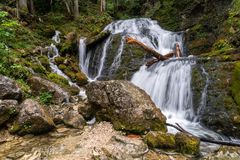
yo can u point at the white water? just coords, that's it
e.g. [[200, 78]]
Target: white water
[[117, 60], [103, 58]]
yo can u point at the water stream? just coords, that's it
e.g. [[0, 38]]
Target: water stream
[[52, 54]]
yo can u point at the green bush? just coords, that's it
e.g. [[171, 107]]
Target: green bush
[[46, 98]]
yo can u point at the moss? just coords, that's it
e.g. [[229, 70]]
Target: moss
[[14, 128], [59, 60], [24, 87], [235, 87], [160, 140], [81, 78], [62, 67], [187, 144], [54, 77], [44, 61]]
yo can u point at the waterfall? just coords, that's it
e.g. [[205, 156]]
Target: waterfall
[[144, 30], [168, 83]]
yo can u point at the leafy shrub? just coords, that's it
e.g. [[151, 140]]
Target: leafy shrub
[[46, 98]]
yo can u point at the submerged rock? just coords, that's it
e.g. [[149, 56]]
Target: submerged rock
[[187, 144], [32, 119], [9, 89], [128, 107], [8, 108], [160, 140], [40, 85]]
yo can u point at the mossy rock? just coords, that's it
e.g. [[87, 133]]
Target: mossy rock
[[54, 77], [59, 60], [160, 140], [81, 79], [187, 144], [62, 67]]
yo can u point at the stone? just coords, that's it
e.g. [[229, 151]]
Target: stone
[[128, 107], [160, 140], [122, 147], [8, 109], [32, 119], [40, 85], [86, 110], [9, 89], [187, 144], [73, 119]]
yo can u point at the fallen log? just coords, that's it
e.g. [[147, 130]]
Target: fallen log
[[158, 56], [228, 143], [150, 50]]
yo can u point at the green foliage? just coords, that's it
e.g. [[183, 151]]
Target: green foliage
[[221, 44], [235, 87], [7, 28], [58, 79], [46, 98]]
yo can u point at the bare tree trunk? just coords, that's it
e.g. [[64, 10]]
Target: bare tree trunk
[[103, 5], [22, 4], [17, 6], [31, 8], [67, 6], [76, 8]]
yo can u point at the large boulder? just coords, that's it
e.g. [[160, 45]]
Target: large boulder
[[9, 89], [128, 107], [8, 108], [40, 85], [32, 119]]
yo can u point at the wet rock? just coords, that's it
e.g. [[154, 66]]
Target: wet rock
[[8, 109], [126, 106], [40, 85], [132, 58], [9, 89], [220, 112], [187, 144], [32, 119], [73, 119], [160, 140]]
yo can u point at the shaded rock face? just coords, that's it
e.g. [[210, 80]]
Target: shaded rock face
[[8, 108], [221, 112], [32, 119], [126, 106], [132, 58], [40, 85], [9, 89]]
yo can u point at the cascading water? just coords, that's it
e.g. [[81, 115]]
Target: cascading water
[[52, 54], [168, 82]]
